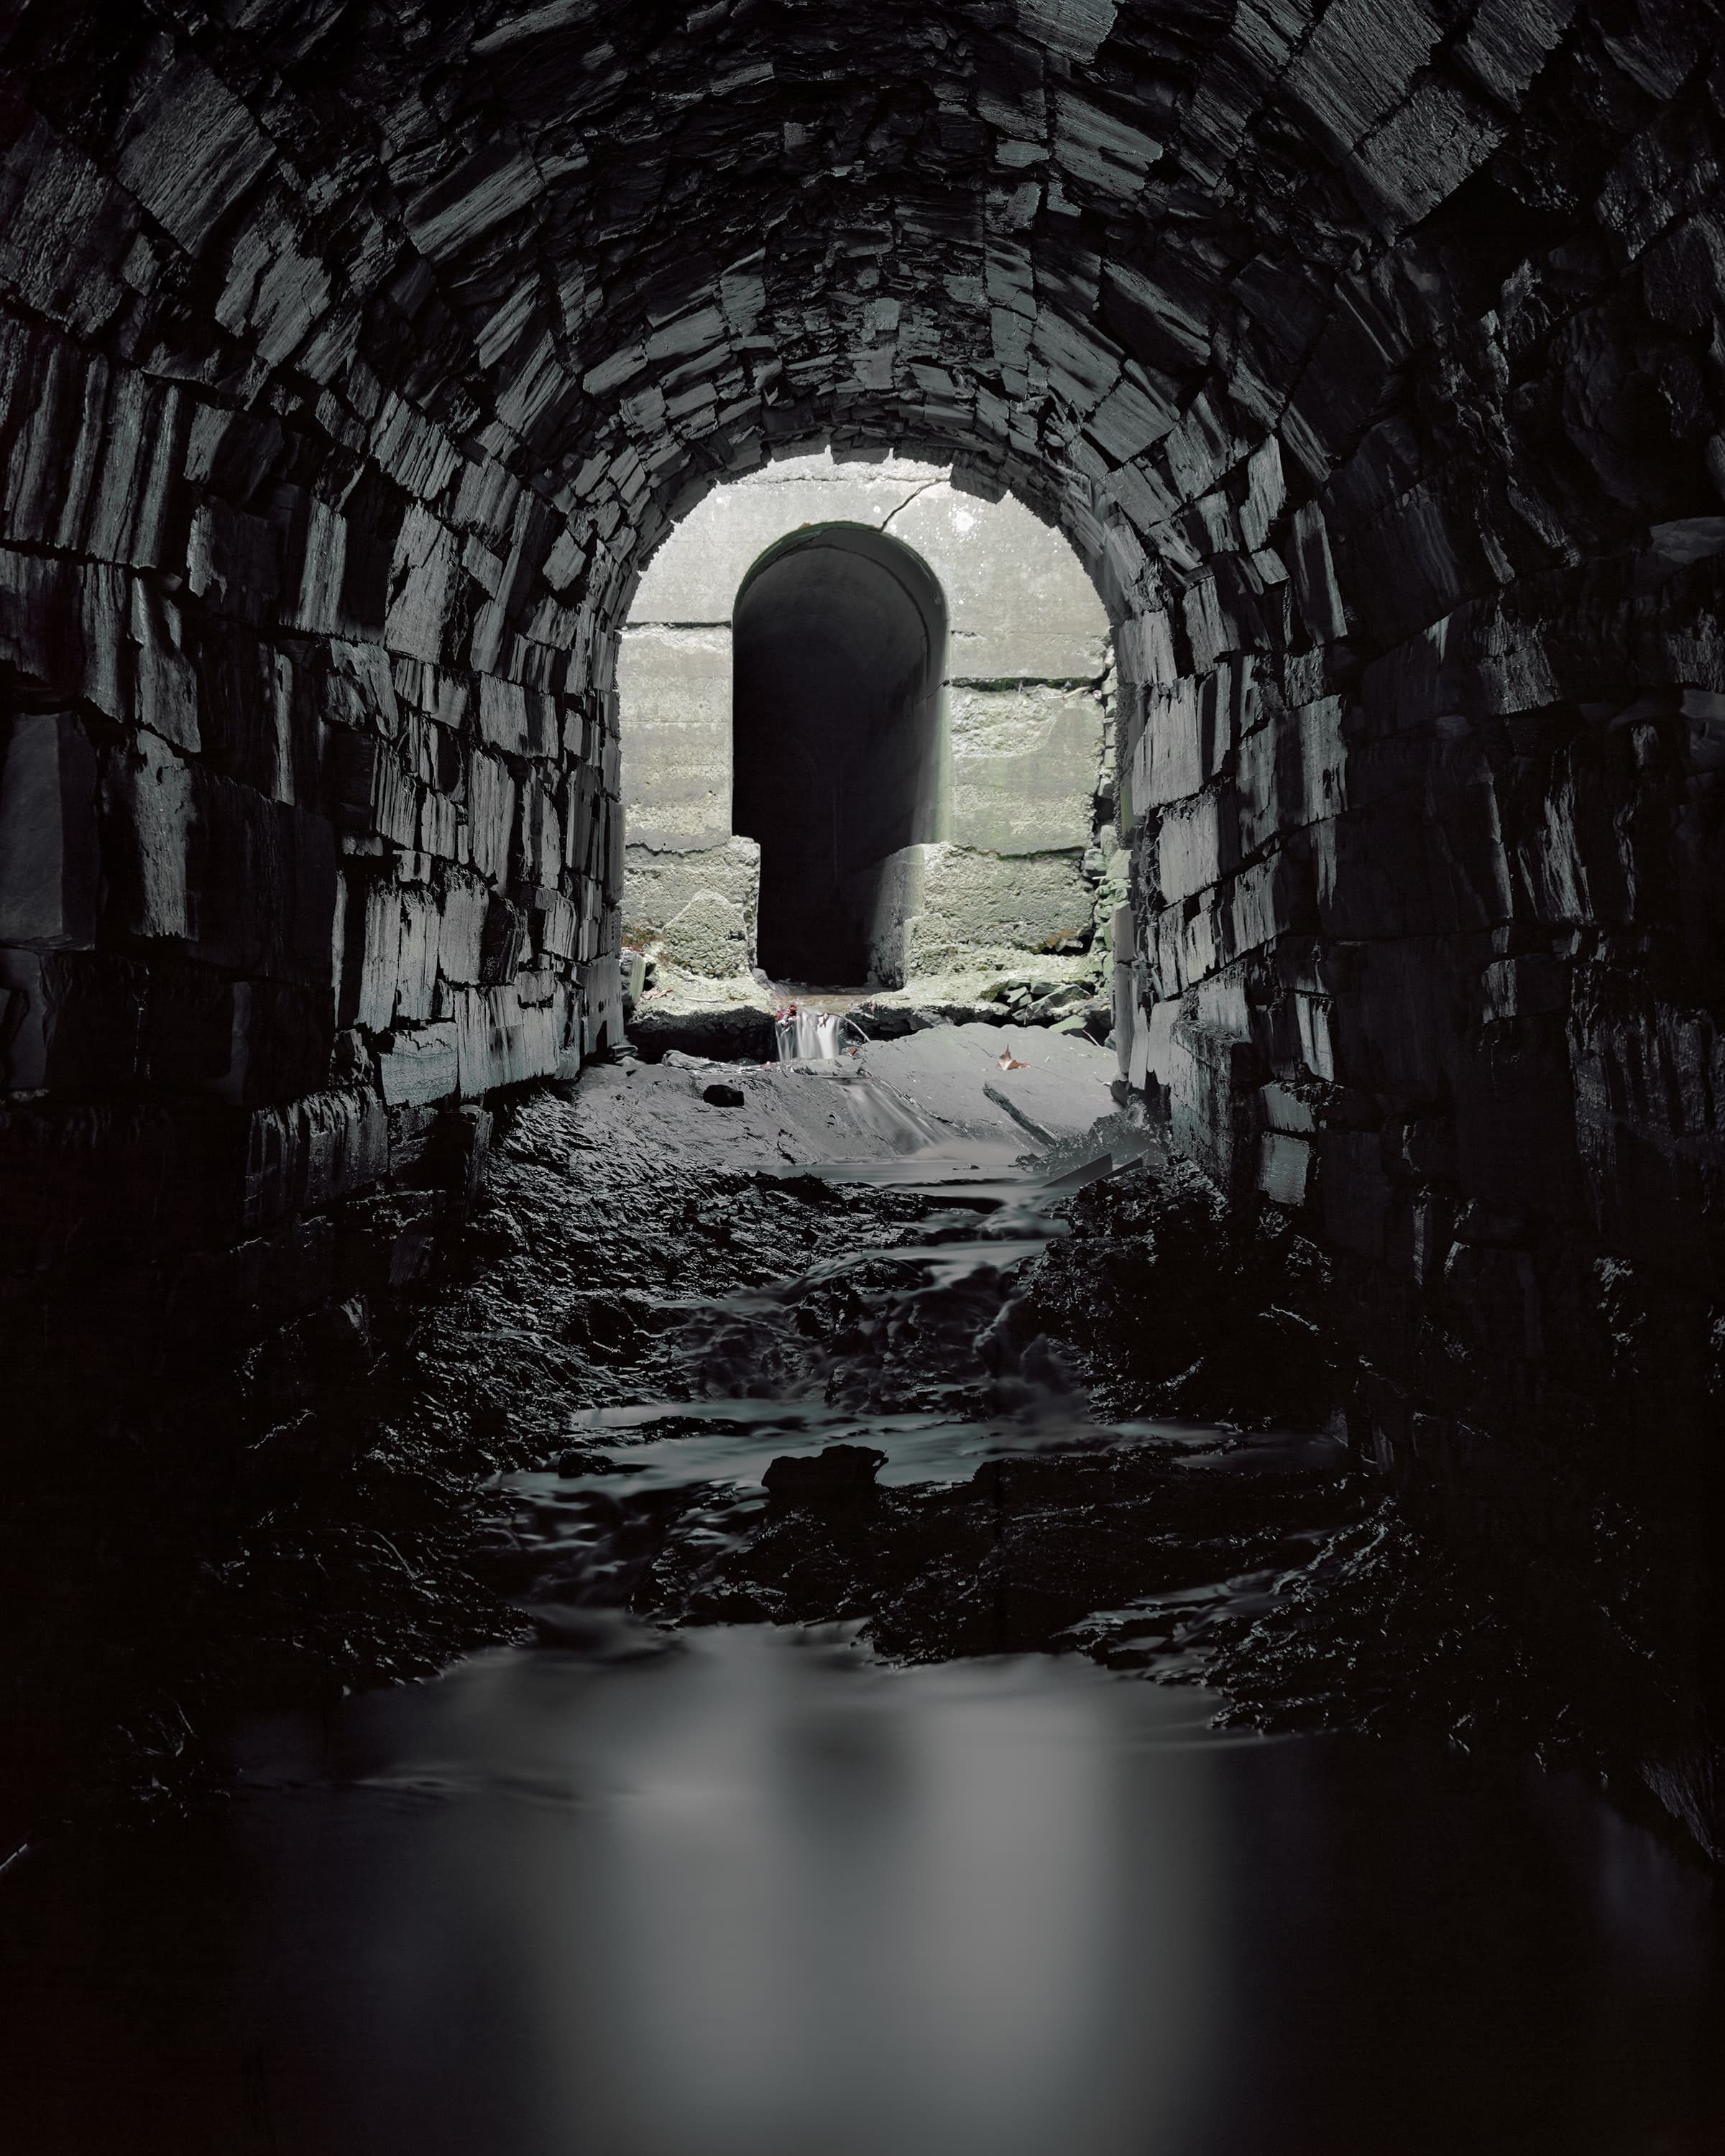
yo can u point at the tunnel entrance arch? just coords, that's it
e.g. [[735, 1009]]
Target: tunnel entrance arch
[[840, 759], [1017, 641]]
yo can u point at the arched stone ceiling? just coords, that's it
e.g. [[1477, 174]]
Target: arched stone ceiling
[[1100, 253]]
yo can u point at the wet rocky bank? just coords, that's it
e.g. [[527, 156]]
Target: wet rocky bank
[[792, 1346]]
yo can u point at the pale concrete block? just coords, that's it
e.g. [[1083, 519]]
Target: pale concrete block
[[710, 935], [674, 684], [1025, 901], [695, 575], [893, 895], [1025, 766], [1019, 604], [657, 885]]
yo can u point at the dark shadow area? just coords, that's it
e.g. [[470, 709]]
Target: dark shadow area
[[839, 642]]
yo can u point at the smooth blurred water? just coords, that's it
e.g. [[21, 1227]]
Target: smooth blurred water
[[754, 1895]]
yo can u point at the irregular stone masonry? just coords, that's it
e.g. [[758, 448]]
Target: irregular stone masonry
[[358, 358]]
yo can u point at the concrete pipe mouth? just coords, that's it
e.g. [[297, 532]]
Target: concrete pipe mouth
[[839, 639]]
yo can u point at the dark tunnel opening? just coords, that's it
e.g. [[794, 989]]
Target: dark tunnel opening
[[838, 642]]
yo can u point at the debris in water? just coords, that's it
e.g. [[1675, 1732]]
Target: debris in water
[[838, 1475]]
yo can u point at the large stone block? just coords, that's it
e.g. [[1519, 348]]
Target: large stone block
[[1025, 765], [372, 953], [1647, 1080], [50, 860], [65, 227], [1211, 1077], [73, 1020], [675, 683], [243, 1041], [490, 814], [306, 1155], [461, 933], [710, 935], [97, 1021], [1354, 1191], [114, 1182], [242, 882], [498, 1042], [1023, 902], [1292, 771], [1284, 1168], [538, 850], [1196, 845], [369, 790], [1420, 851], [415, 1069], [1392, 1016], [1515, 1121], [416, 964], [658, 884]]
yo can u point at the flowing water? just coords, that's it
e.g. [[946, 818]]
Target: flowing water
[[742, 1889]]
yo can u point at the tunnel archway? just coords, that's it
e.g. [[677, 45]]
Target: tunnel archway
[[357, 360], [838, 644]]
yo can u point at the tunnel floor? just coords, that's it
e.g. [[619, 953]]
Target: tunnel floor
[[921, 1709]]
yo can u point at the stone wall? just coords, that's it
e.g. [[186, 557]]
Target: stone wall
[[1026, 653]]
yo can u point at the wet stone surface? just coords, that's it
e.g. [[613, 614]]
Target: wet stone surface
[[1101, 1417], [1105, 1420]]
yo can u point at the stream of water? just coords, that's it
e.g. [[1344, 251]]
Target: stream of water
[[745, 1890]]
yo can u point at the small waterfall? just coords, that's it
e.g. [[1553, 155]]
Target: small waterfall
[[806, 1036]]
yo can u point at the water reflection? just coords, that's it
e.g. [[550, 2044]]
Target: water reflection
[[756, 1896], [760, 1896]]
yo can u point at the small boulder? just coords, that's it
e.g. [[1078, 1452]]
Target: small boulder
[[841, 1475], [719, 1095]]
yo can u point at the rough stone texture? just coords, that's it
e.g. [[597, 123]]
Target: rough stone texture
[[358, 357], [971, 901], [1024, 762], [657, 885], [710, 935], [674, 680]]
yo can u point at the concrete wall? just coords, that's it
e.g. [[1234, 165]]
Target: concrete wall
[[1027, 647]]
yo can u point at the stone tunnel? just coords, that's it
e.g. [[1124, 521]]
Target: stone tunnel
[[363, 365]]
